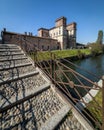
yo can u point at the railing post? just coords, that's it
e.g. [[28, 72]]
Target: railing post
[[54, 67], [35, 57], [103, 103], [25, 45], [21, 42], [51, 64]]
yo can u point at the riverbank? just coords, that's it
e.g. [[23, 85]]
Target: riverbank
[[72, 54]]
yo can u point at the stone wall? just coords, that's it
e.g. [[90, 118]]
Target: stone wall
[[40, 42]]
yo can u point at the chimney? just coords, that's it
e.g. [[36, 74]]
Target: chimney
[[4, 29], [25, 33], [31, 34]]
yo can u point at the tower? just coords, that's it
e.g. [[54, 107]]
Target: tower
[[71, 31], [61, 22]]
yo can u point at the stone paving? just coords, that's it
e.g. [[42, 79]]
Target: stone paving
[[32, 114], [70, 123]]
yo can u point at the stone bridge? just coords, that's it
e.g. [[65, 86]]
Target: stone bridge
[[29, 100]]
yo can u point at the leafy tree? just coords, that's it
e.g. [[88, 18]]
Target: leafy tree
[[96, 49], [100, 37]]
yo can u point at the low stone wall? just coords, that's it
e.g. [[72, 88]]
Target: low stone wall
[[92, 93]]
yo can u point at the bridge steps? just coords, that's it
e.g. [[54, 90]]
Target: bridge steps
[[28, 99]]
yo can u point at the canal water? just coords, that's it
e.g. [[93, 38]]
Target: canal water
[[94, 65]]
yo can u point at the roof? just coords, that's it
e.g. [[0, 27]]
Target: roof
[[60, 18], [71, 23], [43, 29], [14, 33]]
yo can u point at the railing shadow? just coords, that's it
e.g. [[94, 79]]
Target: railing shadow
[[19, 117]]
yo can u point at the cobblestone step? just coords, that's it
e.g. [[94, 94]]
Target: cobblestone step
[[20, 89], [13, 63], [35, 113], [16, 71], [6, 80], [14, 54], [10, 50], [8, 46], [16, 66], [10, 57], [9, 53]]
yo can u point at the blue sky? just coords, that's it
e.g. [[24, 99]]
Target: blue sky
[[29, 15]]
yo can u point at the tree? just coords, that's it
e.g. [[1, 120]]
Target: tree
[[96, 49], [100, 37]]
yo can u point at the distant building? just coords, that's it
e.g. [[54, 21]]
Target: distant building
[[65, 34], [62, 36], [80, 46]]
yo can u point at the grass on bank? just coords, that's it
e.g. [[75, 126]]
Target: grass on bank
[[70, 53], [45, 55]]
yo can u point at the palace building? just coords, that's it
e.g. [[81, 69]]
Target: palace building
[[64, 33], [62, 36]]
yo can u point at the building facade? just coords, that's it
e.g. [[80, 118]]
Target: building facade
[[64, 33]]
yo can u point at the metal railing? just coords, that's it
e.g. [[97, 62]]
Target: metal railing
[[71, 82]]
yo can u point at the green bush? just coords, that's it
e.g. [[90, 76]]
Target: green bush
[[80, 54]]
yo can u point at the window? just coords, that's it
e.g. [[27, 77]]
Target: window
[[59, 32], [47, 47], [58, 47], [42, 46]]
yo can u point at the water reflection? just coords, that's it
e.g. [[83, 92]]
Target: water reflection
[[93, 64]]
